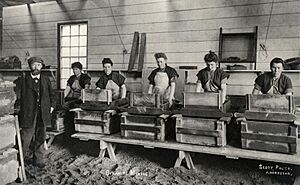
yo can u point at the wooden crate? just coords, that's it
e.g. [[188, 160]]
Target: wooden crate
[[146, 104], [204, 101], [137, 99], [269, 103], [57, 121], [271, 136], [201, 131], [7, 98], [102, 122], [143, 126], [7, 132], [96, 95], [9, 166]]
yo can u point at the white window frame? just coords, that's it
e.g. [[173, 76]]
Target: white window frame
[[72, 47]]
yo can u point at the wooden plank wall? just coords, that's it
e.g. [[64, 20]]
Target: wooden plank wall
[[185, 29], [1, 26]]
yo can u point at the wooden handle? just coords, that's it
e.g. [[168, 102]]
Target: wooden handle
[[20, 148]]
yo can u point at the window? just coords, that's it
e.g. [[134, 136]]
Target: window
[[73, 48]]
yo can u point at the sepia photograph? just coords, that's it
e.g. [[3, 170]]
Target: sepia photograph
[[150, 92]]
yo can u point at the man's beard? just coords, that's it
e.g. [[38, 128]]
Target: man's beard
[[35, 72]]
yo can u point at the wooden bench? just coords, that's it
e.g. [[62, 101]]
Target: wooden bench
[[108, 143]]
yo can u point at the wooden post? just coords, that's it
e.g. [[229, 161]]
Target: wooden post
[[103, 147], [293, 132], [123, 122], [189, 160], [248, 102], [179, 159], [178, 124], [131, 99], [111, 152], [184, 155], [244, 129]]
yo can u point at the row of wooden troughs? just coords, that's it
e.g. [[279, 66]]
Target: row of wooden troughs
[[268, 124], [9, 165]]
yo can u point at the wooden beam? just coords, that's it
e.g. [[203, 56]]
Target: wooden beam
[[142, 52], [134, 51]]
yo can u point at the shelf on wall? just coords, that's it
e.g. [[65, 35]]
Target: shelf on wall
[[241, 46]]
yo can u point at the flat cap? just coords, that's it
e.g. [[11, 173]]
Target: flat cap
[[35, 59]]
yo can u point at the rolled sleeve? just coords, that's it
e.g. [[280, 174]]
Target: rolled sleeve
[[289, 86], [121, 80], [259, 82]]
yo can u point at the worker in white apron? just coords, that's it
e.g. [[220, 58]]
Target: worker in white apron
[[274, 82], [112, 80], [163, 79]]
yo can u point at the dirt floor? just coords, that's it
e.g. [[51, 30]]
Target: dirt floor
[[76, 162]]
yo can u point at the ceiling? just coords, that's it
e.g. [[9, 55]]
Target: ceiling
[[4, 3]]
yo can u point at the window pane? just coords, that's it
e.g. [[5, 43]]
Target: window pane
[[65, 63], [83, 62], [65, 51], [83, 41], [65, 41], [74, 51], [75, 59], [63, 83], [75, 30], [82, 51], [65, 30], [74, 41], [65, 72], [83, 29]]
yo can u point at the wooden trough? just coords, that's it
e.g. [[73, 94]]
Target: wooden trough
[[269, 124], [202, 121]]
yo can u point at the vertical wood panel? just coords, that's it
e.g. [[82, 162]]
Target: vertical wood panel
[[184, 29]]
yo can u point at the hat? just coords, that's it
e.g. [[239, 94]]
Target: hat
[[35, 59], [107, 60]]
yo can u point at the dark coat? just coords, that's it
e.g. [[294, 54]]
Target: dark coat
[[27, 99]]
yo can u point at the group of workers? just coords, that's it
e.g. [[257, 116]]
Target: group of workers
[[162, 80], [36, 97]]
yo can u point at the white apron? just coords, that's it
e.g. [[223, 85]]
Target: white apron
[[115, 89], [161, 81]]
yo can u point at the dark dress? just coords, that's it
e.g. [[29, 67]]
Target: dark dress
[[113, 82], [282, 85], [216, 78]]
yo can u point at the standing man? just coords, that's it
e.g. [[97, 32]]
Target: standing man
[[36, 99], [162, 80], [212, 78], [112, 80], [273, 82]]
